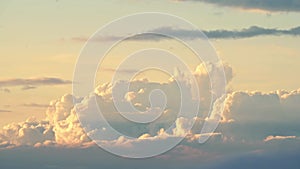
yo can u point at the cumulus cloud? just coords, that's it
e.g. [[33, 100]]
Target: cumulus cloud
[[29, 132], [248, 117], [62, 127], [252, 116], [267, 5], [32, 83], [275, 106]]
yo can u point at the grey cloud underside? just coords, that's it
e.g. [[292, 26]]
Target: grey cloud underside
[[268, 5]]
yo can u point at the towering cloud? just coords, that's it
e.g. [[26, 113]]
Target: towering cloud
[[248, 117]]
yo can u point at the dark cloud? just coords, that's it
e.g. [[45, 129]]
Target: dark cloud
[[267, 5], [32, 83]]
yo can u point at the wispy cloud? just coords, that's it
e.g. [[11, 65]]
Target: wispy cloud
[[252, 31], [270, 138], [28, 87], [4, 111], [119, 70], [35, 105], [267, 5], [32, 83], [6, 90]]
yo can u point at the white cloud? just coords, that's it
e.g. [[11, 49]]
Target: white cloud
[[62, 127], [270, 138], [29, 132], [278, 106]]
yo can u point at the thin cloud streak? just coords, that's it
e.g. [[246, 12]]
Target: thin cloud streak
[[267, 5], [4, 111], [32, 83], [253, 31], [125, 71], [5, 90], [35, 105]]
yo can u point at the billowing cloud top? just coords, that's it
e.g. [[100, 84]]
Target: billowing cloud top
[[251, 121]]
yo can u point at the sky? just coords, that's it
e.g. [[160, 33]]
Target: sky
[[257, 42]]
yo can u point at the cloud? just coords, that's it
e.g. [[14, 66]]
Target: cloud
[[266, 5], [183, 152], [5, 90], [142, 37], [250, 32], [28, 87], [270, 138], [276, 106], [31, 83], [249, 119], [62, 127], [35, 105], [29, 132], [4, 111], [119, 70]]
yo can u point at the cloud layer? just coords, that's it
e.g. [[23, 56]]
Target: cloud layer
[[267, 5]]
